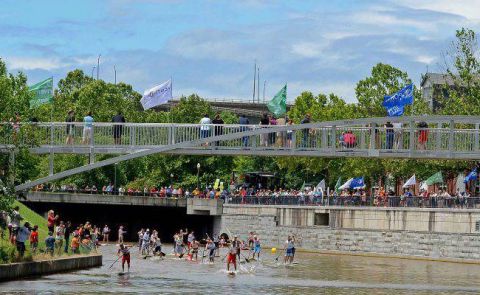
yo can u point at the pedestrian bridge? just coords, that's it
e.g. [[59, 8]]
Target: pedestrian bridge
[[441, 137]]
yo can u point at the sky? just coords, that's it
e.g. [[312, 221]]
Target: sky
[[209, 47]]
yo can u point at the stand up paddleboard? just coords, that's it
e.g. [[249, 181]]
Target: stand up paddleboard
[[231, 273]]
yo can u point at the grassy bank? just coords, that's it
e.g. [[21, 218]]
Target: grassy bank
[[8, 252]]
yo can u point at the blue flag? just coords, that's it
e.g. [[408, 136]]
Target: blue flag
[[157, 95], [395, 111], [401, 98], [357, 183], [471, 176]]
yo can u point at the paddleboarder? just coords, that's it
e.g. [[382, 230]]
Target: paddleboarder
[[125, 252]]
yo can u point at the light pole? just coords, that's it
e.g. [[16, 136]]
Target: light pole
[[98, 64], [93, 69], [115, 74], [198, 175], [171, 179]]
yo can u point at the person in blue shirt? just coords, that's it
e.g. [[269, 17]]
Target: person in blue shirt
[[50, 243], [87, 128], [22, 235]]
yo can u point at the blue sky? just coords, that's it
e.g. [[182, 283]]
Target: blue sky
[[209, 47]]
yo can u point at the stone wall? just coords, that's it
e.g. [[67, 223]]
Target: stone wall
[[15, 271], [408, 232]]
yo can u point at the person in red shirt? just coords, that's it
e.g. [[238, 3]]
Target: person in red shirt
[[34, 239], [51, 221]]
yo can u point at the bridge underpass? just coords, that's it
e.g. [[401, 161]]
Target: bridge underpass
[[446, 137], [167, 215]]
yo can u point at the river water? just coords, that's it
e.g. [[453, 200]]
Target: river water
[[313, 274]]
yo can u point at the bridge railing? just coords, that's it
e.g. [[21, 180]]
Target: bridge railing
[[443, 137], [357, 201]]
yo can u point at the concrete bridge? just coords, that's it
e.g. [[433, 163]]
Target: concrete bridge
[[446, 137], [212, 207]]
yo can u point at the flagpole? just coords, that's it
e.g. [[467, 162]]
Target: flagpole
[[170, 113], [258, 85]]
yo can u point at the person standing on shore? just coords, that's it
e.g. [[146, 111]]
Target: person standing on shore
[[106, 233], [51, 219], [121, 232], [22, 235], [34, 239], [68, 232]]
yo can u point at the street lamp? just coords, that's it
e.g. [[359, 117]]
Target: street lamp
[[93, 69], [198, 175], [115, 72], [171, 178]]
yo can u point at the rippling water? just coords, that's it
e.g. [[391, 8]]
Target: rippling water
[[314, 274]]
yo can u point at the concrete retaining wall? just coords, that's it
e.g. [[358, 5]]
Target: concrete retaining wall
[[16, 271], [420, 233]]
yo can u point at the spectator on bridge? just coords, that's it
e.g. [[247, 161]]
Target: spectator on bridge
[[244, 121], [281, 136], [272, 135], [218, 129], [118, 121], [289, 133], [422, 135], [350, 139], [205, 127], [87, 129], [121, 191], [70, 126], [306, 131], [389, 135], [94, 189], [264, 121]]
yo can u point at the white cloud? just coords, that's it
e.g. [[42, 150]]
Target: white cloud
[[425, 59], [34, 63], [307, 49], [466, 8]]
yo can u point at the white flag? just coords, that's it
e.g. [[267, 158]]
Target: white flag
[[346, 185], [157, 95], [321, 186], [411, 181], [424, 186]]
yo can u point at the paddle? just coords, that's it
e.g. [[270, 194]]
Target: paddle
[[276, 259], [115, 261]]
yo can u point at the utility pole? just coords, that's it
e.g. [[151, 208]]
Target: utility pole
[[254, 74], [258, 83], [264, 83], [115, 71], [98, 65]]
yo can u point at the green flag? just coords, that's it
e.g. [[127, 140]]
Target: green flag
[[278, 104], [303, 186], [435, 178], [43, 92], [338, 184]]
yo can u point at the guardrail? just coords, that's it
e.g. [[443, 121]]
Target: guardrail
[[358, 201], [337, 136]]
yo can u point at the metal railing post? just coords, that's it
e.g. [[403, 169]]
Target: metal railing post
[[362, 139], [324, 138], [412, 137], [133, 130], [373, 135], [438, 143], [333, 139], [451, 137], [475, 144]]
